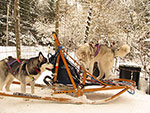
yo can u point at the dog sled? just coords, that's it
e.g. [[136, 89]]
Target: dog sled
[[70, 78]]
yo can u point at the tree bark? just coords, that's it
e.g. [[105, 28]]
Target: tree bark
[[7, 23], [17, 27], [57, 21]]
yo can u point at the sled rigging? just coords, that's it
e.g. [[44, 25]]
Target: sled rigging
[[66, 79]]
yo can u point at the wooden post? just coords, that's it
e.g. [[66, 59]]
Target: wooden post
[[17, 27], [7, 22]]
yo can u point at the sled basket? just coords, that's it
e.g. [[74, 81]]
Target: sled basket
[[62, 75]]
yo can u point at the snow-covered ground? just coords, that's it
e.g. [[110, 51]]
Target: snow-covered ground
[[125, 103]]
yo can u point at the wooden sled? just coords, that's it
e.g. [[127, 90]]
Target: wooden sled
[[77, 89], [81, 89]]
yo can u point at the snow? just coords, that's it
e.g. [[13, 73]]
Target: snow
[[130, 64], [125, 103], [147, 40]]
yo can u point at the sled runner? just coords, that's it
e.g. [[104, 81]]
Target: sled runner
[[69, 77]]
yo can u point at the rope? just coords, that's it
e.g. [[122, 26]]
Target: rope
[[120, 83], [58, 49]]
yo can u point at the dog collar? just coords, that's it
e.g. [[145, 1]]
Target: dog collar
[[33, 79], [97, 51], [36, 70]]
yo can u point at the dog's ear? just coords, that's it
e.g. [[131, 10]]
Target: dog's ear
[[41, 56], [91, 47]]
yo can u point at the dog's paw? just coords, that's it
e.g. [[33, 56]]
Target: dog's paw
[[8, 90], [1, 97]]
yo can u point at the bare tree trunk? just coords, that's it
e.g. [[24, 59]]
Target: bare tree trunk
[[7, 23], [57, 21], [57, 17], [17, 27]]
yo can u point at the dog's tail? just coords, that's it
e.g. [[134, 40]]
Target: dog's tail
[[123, 51]]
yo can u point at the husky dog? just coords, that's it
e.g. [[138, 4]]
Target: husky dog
[[24, 70], [104, 56]]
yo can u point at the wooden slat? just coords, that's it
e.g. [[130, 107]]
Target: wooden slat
[[56, 68], [34, 97], [116, 95]]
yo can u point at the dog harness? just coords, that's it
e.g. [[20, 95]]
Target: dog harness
[[9, 65], [97, 51], [14, 72]]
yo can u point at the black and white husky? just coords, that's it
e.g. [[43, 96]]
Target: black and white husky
[[24, 70]]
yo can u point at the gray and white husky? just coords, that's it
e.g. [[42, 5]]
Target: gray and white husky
[[24, 70], [104, 56]]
